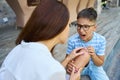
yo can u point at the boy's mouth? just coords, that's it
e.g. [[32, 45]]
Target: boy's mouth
[[83, 35]]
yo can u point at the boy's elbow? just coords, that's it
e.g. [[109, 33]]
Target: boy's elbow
[[100, 64]]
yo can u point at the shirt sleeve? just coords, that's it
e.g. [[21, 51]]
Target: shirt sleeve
[[70, 46], [102, 46]]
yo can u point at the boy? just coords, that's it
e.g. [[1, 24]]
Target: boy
[[92, 41]]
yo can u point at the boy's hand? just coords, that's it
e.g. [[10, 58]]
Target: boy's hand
[[98, 60], [91, 51]]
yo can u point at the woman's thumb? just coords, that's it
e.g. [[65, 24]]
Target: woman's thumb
[[73, 70]]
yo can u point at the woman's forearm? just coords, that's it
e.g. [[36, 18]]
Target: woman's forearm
[[65, 61]]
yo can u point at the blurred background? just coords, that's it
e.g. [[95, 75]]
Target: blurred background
[[108, 25]]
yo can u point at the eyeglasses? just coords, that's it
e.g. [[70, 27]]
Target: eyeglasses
[[84, 27]]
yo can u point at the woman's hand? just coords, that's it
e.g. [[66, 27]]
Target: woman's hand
[[70, 66], [76, 52], [75, 75]]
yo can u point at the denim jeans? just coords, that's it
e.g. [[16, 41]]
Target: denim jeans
[[95, 72]]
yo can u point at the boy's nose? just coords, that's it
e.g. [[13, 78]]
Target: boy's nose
[[81, 29]]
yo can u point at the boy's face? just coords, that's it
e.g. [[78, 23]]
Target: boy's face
[[85, 28]]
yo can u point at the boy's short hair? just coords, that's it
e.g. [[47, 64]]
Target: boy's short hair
[[89, 13]]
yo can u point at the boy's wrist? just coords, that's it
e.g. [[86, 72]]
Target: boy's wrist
[[93, 56]]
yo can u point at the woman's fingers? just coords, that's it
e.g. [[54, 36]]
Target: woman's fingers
[[75, 75], [73, 70], [70, 67], [76, 52], [78, 49], [69, 71]]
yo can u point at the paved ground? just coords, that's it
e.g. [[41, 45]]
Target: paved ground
[[108, 25]]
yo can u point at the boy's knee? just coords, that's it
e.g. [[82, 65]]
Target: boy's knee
[[82, 60]]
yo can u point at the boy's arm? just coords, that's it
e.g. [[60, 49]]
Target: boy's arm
[[98, 60], [98, 55]]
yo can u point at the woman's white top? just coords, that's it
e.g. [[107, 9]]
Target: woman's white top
[[31, 61]]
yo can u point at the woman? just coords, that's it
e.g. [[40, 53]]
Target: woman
[[32, 59]]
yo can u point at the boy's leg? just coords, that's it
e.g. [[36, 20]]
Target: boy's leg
[[85, 71], [98, 74], [82, 60]]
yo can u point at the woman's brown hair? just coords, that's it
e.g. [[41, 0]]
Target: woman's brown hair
[[48, 19]]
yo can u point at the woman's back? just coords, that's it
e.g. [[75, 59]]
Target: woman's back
[[31, 61]]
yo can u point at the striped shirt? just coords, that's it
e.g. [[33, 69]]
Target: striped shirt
[[98, 42]]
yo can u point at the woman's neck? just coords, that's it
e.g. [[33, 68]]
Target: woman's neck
[[49, 43]]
